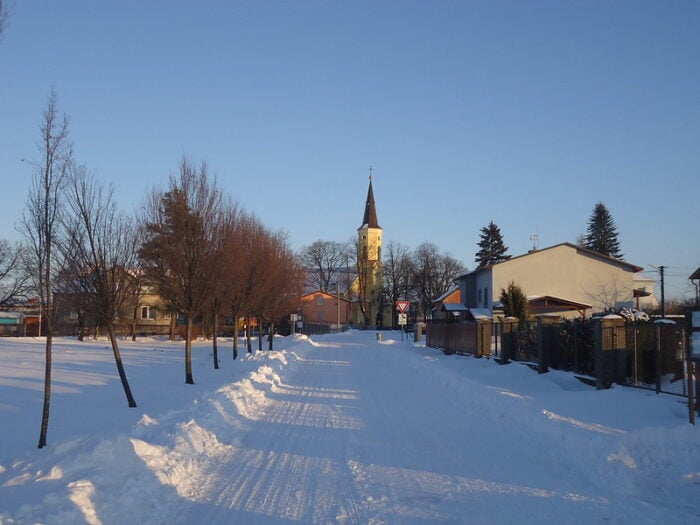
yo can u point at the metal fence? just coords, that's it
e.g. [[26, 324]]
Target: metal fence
[[601, 352], [461, 338], [322, 328]]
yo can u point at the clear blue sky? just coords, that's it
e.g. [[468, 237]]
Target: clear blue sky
[[524, 113]]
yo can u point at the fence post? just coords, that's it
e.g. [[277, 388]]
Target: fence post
[[636, 366], [598, 352], [505, 355], [542, 361], [657, 356], [690, 367]]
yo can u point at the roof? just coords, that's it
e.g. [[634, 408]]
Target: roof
[[480, 313], [454, 307], [324, 294], [695, 274], [451, 290], [581, 249], [369, 220], [474, 313], [557, 302]]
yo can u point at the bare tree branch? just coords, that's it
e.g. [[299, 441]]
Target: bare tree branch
[[13, 275], [324, 260]]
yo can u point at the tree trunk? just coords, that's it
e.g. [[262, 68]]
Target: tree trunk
[[120, 367], [173, 322], [81, 325], [47, 391], [133, 324], [215, 329], [188, 352], [271, 336], [260, 334], [235, 335], [249, 342]]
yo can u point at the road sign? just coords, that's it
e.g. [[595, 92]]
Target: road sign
[[402, 319], [402, 306]]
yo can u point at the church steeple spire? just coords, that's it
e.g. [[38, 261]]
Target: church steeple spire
[[370, 218]]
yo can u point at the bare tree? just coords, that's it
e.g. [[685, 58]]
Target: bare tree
[[40, 223], [433, 274], [239, 260], [13, 277], [398, 269], [181, 251], [323, 261], [228, 221], [369, 282], [99, 252], [281, 281], [363, 280]]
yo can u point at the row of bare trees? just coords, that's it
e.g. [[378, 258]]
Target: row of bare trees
[[418, 276], [205, 257], [191, 244]]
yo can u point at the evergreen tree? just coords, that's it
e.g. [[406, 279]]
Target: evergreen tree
[[492, 250], [601, 235], [514, 301]]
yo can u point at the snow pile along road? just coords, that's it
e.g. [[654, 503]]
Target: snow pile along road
[[342, 429]]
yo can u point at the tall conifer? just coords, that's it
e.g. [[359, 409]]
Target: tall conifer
[[601, 235], [492, 249]]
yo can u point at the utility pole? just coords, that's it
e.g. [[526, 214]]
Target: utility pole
[[663, 301], [663, 298]]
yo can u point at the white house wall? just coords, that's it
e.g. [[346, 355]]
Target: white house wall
[[563, 271], [485, 294]]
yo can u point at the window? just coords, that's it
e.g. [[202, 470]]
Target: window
[[148, 312], [319, 300], [74, 314], [320, 315], [486, 296], [478, 298]]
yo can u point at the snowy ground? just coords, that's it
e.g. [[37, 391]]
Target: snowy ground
[[339, 429]]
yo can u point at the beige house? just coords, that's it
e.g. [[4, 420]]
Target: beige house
[[563, 279], [145, 314]]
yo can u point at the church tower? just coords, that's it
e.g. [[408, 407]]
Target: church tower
[[369, 282]]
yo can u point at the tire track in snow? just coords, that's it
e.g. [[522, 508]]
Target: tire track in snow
[[284, 461]]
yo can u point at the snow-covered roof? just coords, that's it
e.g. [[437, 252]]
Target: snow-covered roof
[[454, 307], [480, 314]]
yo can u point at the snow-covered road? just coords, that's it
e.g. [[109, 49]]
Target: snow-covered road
[[347, 430]]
